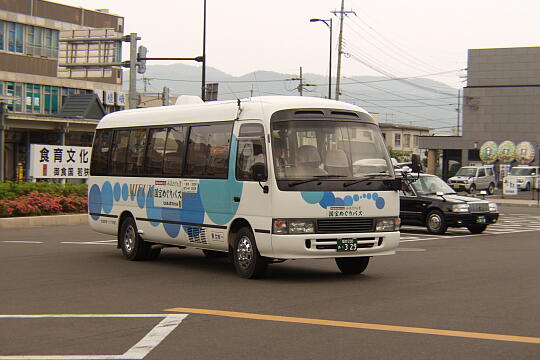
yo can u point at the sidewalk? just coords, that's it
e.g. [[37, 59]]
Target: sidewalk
[[48, 220]]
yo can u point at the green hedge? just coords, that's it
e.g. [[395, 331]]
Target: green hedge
[[13, 190]]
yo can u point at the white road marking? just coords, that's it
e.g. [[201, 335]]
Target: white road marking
[[22, 242], [137, 352], [101, 242]]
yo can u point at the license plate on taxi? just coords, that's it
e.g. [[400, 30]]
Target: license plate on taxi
[[346, 245], [481, 220]]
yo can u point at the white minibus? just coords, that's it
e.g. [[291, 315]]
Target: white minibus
[[262, 180]]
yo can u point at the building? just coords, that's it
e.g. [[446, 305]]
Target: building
[[403, 138], [501, 103], [36, 39]]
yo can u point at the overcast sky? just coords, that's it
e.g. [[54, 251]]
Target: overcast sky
[[393, 38]]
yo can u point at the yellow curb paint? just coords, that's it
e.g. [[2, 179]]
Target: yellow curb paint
[[359, 325]]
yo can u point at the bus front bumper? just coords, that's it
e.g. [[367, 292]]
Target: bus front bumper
[[313, 246]]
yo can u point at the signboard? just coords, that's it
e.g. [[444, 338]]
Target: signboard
[[120, 99], [488, 152], [108, 97], [510, 186], [504, 170], [506, 151], [59, 162], [525, 152], [169, 193]]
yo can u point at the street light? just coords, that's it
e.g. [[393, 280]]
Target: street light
[[328, 22]]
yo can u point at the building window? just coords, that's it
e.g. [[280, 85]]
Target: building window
[[415, 140], [28, 39], [407, 140], [397, 139], [16, 91]]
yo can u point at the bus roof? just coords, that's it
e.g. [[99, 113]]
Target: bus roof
[[261, 107]]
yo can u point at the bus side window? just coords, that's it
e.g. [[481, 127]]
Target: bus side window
[[251, 150], [135, 152], [154, 151], [174, 151], [208, 151], [119, 152], [101, 152]]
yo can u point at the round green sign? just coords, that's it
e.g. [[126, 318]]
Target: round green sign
[[524, 152], [488, 152], [507, 151]]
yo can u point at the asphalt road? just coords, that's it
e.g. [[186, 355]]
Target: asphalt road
[[457, 296]]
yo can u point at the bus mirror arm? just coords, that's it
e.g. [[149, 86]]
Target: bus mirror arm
[[264, 188]]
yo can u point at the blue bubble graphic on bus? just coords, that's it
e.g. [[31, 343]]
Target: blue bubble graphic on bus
[[213, 198], [328, 198]]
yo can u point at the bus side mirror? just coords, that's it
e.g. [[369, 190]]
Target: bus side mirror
[[258, 172], [415, 163]]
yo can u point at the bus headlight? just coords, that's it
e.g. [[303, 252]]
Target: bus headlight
[[493, 207], [387, 224], [461, 208], [283, 226], [301, 227]]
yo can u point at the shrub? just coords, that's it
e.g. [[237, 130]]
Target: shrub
[[12, 190], [36, 203]]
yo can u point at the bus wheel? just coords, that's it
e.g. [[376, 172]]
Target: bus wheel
[[247, 261], [352, 265], [133, 247], [214, 254]]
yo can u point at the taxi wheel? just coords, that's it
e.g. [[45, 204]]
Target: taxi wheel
[[247, 261], [352, 265], [435, 222], [491, 188], [472, 189], [476, 228]]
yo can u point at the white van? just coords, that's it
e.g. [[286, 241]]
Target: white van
[[526, 177], [261, 180]]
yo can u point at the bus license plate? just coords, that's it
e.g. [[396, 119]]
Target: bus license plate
[[346, 245], [481, 220]]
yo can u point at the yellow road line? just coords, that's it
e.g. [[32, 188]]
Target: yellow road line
[[359, 325]]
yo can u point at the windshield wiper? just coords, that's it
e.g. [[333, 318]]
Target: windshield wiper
[[315, 178], [367, 177]]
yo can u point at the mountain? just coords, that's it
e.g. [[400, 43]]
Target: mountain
[[418, 101]]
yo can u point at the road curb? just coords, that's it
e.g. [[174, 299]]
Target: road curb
[[48, 220]]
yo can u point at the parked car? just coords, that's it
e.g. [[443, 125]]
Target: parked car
[[473, 178], [525, 176], [429, 201]]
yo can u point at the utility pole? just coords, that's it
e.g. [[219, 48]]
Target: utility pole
[[301, 86], [458, 110], [133, 70], [203, 80], [340, 43]]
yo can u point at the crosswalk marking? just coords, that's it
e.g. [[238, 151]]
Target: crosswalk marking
[[510, 223]]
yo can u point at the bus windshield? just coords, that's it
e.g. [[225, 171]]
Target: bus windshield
[[328, 149]]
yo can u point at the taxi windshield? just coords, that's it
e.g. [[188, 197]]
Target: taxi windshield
[[431, 185]]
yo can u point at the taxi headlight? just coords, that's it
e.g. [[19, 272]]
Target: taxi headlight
[[461, 208], [387, 224], [493, 207]]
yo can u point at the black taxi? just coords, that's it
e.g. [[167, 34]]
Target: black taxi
[[426, 200]]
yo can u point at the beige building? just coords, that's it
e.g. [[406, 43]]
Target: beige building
[[403, 138], [36, 38]]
